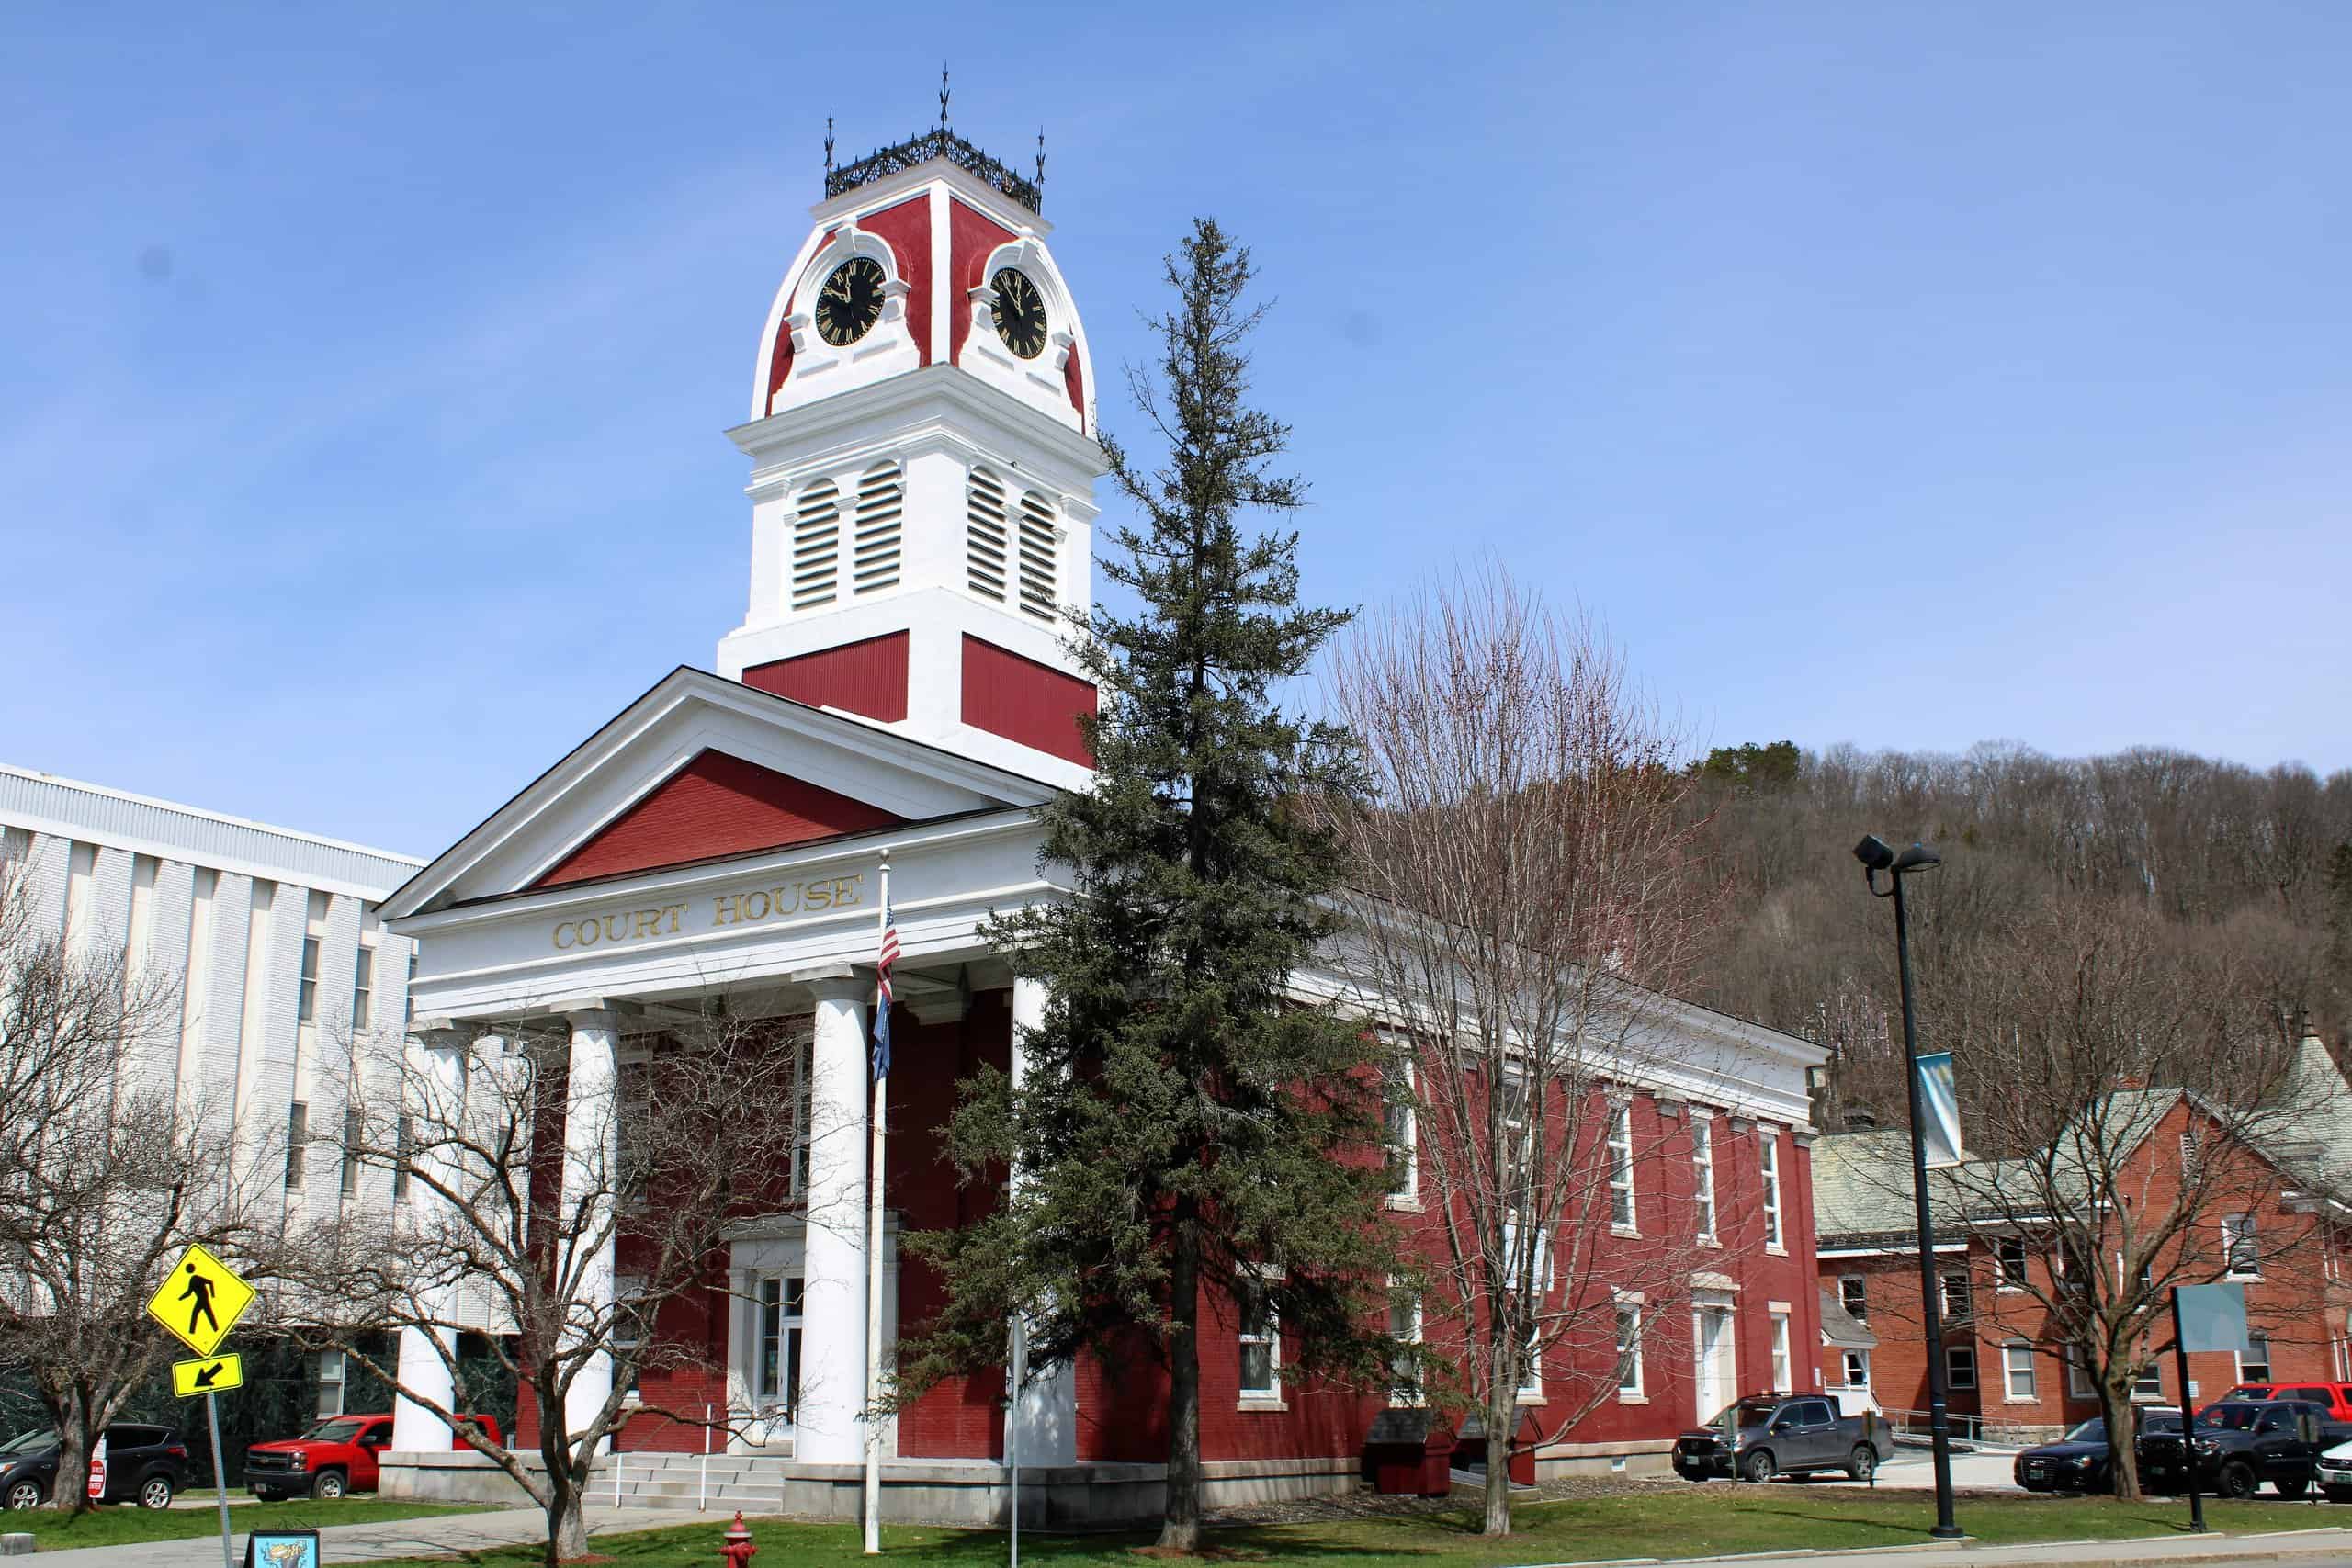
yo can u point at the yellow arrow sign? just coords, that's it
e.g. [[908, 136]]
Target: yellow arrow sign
[[208, 1375], [200, 1300]]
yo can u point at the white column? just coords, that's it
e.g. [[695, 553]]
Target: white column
[[591, 1157], [833, 1376], [439, 1056], [1046, 1411]]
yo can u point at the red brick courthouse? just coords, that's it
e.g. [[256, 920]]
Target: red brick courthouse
[[923, 453]]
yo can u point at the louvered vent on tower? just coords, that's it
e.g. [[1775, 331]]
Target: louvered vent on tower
[[881, 499], [1037, 555], [985, 533], [817, 545]]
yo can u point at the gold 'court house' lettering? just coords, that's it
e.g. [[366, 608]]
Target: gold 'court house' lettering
[[746, 906]]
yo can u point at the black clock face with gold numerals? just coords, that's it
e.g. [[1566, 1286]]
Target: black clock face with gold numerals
[[851, 302], [1020, 313]]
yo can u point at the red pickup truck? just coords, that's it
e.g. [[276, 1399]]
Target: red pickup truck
[[336, 1456]]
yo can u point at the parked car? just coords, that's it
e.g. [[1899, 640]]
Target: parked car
[[2083, 1460], [336, 1456], [145, 1465], [2334, 1474], [1766, 1435], [2239, 1444], [2336, 1396]]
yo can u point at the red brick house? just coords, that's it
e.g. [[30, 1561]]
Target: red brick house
[[2281, 1230]]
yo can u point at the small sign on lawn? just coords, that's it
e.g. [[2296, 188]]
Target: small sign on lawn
[[282, 1548]]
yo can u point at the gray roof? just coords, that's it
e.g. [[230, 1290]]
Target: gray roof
[[1842, 1328]]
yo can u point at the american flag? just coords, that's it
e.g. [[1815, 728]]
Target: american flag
[[887, 956]]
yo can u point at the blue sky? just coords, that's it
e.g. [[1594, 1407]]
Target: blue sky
[[1904, 375]]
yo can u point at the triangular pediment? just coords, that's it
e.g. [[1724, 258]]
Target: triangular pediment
[[702, 767]]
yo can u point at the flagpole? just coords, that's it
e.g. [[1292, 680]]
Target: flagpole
[[874, 1232]]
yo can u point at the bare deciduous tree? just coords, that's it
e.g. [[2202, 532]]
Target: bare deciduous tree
[[1528, 885], [2132, 1108], [523, 1183], [106, 1172]]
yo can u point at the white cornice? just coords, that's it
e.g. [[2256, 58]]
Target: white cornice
[[904, 398]]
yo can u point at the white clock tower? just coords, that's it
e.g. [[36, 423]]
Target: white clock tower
[[923, 461]]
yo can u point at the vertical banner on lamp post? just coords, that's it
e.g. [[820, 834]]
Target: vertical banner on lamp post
[[1939, 1111]]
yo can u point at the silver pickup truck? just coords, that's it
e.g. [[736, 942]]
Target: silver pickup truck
[[1766, 1435]]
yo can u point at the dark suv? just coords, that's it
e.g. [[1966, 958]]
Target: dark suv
[[2238, 1444], [145, 1465]]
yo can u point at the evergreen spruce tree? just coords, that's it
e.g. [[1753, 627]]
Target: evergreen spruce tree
[[1187, 1133]]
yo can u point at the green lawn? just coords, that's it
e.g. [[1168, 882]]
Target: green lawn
[[118, 1524], [1697, 1522]]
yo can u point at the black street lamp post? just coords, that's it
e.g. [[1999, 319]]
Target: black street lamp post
[[1876, 856]]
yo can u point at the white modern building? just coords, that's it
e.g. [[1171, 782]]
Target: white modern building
[[269, 941]]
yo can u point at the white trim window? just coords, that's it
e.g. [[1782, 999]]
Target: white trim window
[[1960, 1365], [1857, 1367], [363, 991], [330, 1376], [1629, 1348], [2008, 1262], [2241, 1248], [2148, 1383], [1405, 1327], [1530, 1381], [306, 995], [1702, 1165], [1958, 1298], [298, 1145], [2017, 1370], [1403, 1138], [2254, 1362], [1258, 1338], [1621, 1166], [1783, 1371], [1854, 1296], [628, 1327], [1770, 1143], [2078, 1374]]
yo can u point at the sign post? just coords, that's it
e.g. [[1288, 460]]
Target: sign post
[[215, 1299], [2204, 1317]]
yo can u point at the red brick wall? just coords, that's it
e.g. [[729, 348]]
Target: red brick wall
[[2295, 1301]]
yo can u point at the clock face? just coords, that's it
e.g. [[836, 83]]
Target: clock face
[[851, 302], [1020, 313]]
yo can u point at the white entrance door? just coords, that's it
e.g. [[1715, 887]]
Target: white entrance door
[[1715, 1371]]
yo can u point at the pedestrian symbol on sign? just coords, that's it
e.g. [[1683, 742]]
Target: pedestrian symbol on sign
[[200, 1289], [200, 1301]]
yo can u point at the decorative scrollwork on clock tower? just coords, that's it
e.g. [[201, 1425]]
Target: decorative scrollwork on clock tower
[[924, 462]]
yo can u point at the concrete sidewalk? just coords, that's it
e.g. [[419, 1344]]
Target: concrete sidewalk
[[393, 1538], [2297, 1549]]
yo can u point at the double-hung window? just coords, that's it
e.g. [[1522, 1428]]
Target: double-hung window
[[2009, 1254], [298, 1145], [1858, 1368], [1853, 1295], [1956, 1296], [306, 1006], [330, 1372], [1770, 1145], [1782, 1371], [2017, 1370], [1259, 1338], [352, 1134], [1960, 1365], [1621, 1166], [1702, 1173], [1403, 1135], [2254, 1362], [2240, 1247], [1405, 1327], [1629, 1349], [363, 991]]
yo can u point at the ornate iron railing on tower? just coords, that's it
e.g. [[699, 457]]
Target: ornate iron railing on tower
[[937, 142]]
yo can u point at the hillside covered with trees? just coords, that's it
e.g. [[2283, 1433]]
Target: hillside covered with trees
[[2198, 909]]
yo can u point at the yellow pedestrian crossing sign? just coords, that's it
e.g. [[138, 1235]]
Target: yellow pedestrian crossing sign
[[208, 1375], [200, 1300]]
